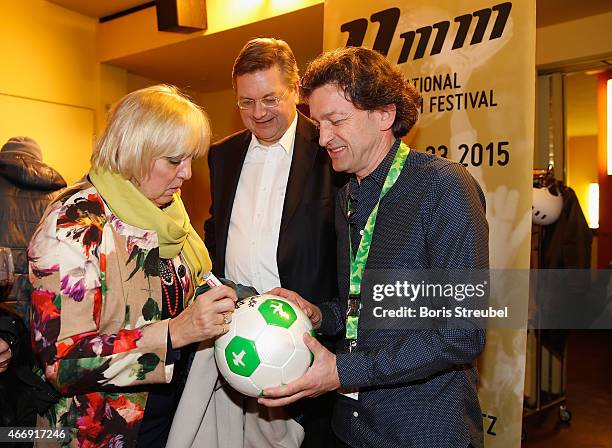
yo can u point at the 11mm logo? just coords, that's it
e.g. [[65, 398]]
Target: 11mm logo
[[389, 18]]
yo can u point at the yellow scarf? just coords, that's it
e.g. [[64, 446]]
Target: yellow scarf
[[174, 230]]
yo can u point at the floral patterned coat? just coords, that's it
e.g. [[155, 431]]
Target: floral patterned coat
[[96, 318]]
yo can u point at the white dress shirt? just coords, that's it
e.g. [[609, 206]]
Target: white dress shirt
[[252, 239]]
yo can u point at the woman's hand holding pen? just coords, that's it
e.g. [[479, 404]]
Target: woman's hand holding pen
[[208, 316]]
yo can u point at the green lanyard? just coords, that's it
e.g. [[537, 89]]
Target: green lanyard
[[358, 262]]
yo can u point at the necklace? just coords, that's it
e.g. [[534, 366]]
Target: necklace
[[165, 273], [168, 277]]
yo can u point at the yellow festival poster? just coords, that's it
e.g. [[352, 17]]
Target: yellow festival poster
[[474, 63]]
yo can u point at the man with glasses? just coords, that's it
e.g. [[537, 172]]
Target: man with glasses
[[273, 189]]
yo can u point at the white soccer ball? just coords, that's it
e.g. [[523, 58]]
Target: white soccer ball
[[264, 346]]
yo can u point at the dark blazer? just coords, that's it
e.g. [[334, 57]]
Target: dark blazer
[[306, 254], [417, 387]]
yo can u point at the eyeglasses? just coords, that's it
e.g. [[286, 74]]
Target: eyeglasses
[[267, 102]]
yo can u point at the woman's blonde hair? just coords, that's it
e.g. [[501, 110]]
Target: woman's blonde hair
[[149, 124]]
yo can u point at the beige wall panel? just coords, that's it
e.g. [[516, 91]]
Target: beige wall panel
[[576, 39], [48, 53], [63, 132]]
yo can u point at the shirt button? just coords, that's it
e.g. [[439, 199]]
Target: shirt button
[[355, 414], [361, 232]]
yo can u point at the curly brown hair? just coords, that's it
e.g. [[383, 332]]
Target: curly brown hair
[[368, 80]]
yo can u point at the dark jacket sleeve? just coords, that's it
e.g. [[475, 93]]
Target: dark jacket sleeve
[[333, 321], [209, 224]]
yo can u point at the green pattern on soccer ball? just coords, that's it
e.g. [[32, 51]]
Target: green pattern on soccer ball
[[241, 356], [277, 312], [312, 333]]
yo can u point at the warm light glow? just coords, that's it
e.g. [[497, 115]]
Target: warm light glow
[[282, 4], [594, 206], [232, 13], [241, 7], [609, 127]]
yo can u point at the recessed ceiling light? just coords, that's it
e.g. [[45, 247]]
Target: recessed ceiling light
[[595, 71]]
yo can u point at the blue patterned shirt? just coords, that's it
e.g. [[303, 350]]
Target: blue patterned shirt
[[417, 388]]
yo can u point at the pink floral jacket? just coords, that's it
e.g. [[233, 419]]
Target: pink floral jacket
[[96, 318]]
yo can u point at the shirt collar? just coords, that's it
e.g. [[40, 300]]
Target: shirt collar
[[286, 141], [380, 172]]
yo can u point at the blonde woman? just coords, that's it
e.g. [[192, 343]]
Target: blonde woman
[[115, 264]]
